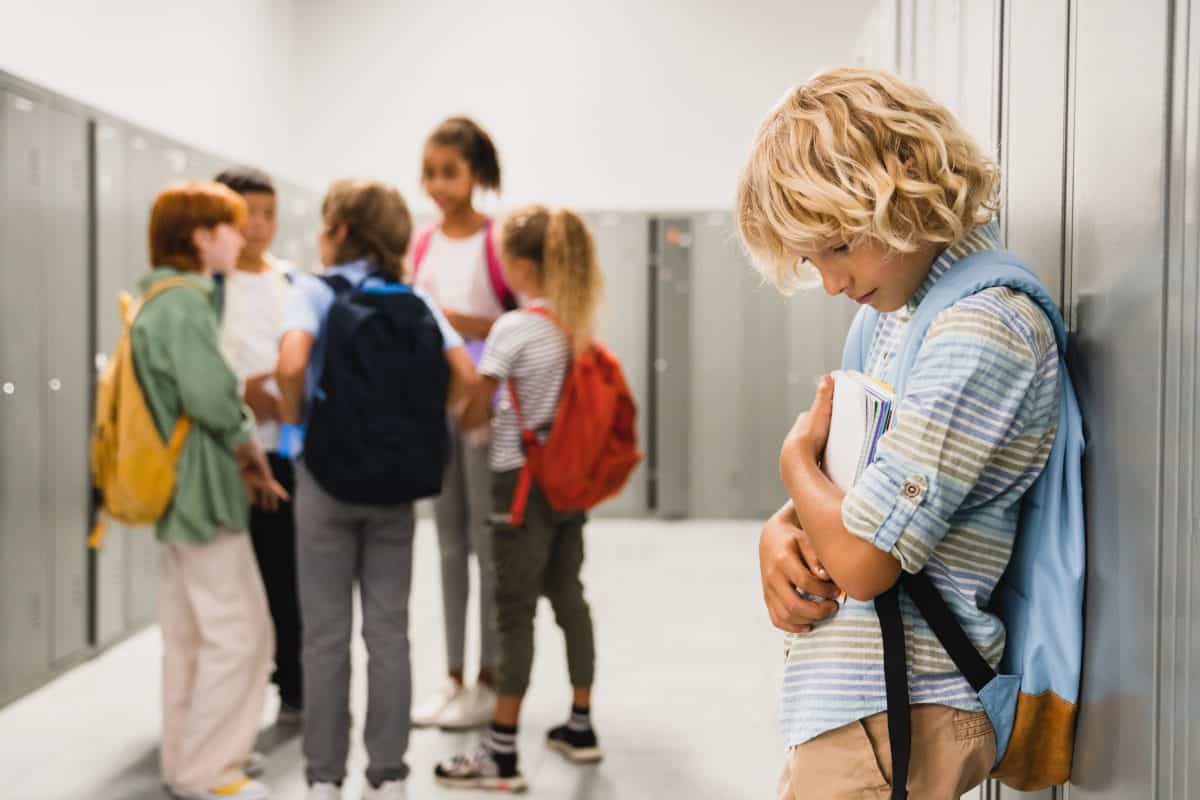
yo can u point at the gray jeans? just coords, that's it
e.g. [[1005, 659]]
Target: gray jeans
[[336, 544], [461, 513]]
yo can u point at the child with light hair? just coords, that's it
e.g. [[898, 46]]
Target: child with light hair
[[878, 188]]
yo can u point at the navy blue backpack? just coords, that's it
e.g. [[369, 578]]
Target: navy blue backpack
[[377, 428]]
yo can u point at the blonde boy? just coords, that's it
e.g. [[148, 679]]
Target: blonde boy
[[867, 180]]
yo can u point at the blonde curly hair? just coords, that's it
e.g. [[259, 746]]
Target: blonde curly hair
[[858, 154]]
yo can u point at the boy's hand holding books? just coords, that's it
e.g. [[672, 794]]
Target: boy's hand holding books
[[795, 584], [806, 440]]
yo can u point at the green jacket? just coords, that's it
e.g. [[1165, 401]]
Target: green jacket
[[181, 371]]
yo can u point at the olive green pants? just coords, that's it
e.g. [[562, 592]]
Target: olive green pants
[[542, 557]]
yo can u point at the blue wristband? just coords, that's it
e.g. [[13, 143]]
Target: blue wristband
[[291, 440]]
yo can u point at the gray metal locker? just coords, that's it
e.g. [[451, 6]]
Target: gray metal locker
[[153, 164], [622, 248], [1177, 761], [1035, 118], [721, 282], [1116, 243], [670, 400], [24, 597], [767, 414], [112, 205], [67, 378]]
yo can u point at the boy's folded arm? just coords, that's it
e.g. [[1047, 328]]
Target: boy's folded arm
[[859, 568], [972, 408]]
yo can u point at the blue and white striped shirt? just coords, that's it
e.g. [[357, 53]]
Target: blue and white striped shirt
[[974, 432]]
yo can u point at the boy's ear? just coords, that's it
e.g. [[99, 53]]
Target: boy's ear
[[201, 238]]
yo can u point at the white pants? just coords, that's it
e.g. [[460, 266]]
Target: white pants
[[217, 651]]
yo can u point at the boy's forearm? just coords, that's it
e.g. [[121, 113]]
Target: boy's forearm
[[862, 570], [291, 397]]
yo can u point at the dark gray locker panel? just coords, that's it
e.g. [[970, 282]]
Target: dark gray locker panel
[[24, 557], [670, 469], [112, 256], [721, 280], [66, 379], [810, 315], [767, 415], [152, 165], [1116, 244], [622, 248]]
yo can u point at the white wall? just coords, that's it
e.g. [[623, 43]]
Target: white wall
[[619, 104], [216, 75]]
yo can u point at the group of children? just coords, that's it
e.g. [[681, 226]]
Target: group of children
[[315, 423], [856, 174]]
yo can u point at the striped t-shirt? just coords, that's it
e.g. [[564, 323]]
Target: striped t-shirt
[[531, 349], [973, 433]]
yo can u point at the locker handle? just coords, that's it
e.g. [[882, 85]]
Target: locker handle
[[55, 384], [8, 387]]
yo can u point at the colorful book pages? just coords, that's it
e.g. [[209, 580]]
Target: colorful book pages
[[862, 412]]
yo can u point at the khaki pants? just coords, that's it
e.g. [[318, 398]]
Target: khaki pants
[[217, 647], [952, 752], [541, 558]]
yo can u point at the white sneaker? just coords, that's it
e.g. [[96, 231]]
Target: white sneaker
[[388, 790], [426, 714], [244, 790], [472, 708], [324, 791]]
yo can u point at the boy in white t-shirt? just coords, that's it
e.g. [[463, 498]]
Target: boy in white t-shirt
[[255, 299]]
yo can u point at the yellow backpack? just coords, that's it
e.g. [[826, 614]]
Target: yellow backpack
[[131, 464]]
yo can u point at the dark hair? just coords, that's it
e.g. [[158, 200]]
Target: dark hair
[[247, 180], [377, 223], [476, 148]]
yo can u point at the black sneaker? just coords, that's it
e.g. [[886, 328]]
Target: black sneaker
[[579, 746], [479, 771]]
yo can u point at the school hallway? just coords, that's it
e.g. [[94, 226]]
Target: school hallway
[[688, 670]]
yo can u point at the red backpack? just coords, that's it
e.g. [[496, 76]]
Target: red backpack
[[592, 447]]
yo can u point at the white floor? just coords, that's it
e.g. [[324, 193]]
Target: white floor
[[687, 674]]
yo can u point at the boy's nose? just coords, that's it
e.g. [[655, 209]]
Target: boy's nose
[[834, 284]]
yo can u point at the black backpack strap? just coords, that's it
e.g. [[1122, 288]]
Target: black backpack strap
[[933, 608], [895, 677], [949, 632], [338, 283]]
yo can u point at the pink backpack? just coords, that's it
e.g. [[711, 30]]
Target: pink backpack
[[500, 286]]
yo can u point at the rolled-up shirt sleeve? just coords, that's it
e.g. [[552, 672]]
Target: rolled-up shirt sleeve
[[959, 436]]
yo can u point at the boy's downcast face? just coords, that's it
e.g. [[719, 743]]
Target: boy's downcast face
[[871, 275]]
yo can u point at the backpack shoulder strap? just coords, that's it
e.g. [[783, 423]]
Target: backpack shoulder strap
[[421, 247], [972, 274], [500, 286], [859, 339], [339, 284], [166, 285], [162, 287]]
